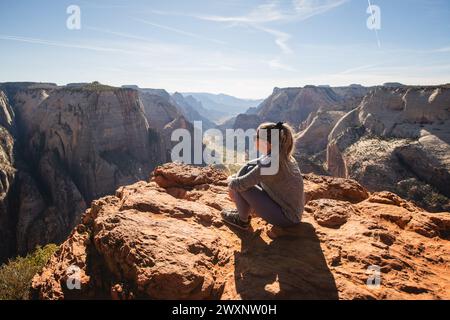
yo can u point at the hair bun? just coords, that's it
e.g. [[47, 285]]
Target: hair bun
[[279, 125]]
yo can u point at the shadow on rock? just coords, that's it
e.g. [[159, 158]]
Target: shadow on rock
[[291, 267]]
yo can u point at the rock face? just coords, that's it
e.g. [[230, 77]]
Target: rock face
[[193, 110], [163, 115], [311, 142], [7, 174], [62, 147], [100, 138], [222, 106], [164, 239], [158, 108], [247, 121], [314, 138], [397, 140], [296, 105]]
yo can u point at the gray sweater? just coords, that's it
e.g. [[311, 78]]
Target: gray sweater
[[285, 187]]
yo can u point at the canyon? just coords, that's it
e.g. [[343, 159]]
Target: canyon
[[63, 147], [75, 165]]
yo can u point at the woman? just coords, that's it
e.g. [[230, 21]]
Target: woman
[[278, 198]]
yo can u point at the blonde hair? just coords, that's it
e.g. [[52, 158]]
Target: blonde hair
[[286, 139]]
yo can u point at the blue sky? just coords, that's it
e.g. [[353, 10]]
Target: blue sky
[[242, 48]]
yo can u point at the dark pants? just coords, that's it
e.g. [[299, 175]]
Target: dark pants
[[257, 199]]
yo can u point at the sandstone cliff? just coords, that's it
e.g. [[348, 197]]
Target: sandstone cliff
[[164, 239], [397, 140], [62, 147], [295, 105], [163, 115], [7, 175], [311, 143]]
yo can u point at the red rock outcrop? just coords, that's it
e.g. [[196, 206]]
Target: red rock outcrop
[[164, 239]]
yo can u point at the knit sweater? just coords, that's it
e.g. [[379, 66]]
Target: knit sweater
[[285, 187]]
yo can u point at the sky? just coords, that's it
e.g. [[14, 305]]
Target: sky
[[242, 48]]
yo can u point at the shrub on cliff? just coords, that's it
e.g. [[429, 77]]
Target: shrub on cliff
[[424, 195], [16, 274]]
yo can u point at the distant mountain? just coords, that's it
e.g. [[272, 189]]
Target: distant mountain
[[393, 85], [193, 110], [225, 104], [167, 105], [296, 105]]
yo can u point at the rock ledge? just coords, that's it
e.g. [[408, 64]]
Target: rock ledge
[[164, 239]]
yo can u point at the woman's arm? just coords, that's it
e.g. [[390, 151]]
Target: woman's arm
[[248, 180]]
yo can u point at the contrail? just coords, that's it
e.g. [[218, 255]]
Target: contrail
[[60, 44], [189, 34]]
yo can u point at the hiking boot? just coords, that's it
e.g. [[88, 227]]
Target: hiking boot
[[231, 217]]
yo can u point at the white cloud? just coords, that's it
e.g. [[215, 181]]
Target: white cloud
[[276, 64], [359, 68], [308, 8], [281, 38], [179, 31], [264, 14], [271, 12]]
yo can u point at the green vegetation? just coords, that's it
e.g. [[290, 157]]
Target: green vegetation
[[93, 86], [97, 86], [16, 274], [423, 195]]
